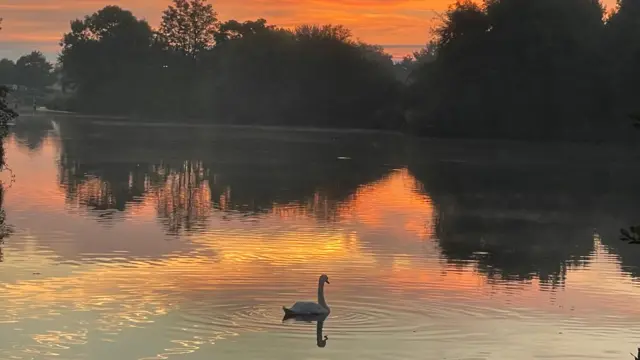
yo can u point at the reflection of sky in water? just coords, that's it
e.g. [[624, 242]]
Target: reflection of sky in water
[[76, 286]]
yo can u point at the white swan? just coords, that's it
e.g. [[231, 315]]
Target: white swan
[[309, 308]]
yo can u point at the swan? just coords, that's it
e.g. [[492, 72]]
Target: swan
[[309, 308]]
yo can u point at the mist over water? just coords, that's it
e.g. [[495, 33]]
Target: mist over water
[[135, 242]]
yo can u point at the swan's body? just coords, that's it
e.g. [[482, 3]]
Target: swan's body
[[310, 308], [307, 308]]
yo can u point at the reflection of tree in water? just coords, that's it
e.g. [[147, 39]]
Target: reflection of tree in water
[[31, 133], [5, 229], [513, 249], [103, 186], [632, 236], [6, 114], [629, 252], [319, 206], [522, 218], [111, 168], [183, 199]]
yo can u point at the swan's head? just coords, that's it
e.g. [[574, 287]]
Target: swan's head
[[324, 278], [322, 342]]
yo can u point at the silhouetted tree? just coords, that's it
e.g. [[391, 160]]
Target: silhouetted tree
[[623, 50], [5, 229], [514, 68], [189, 26], [245, 72], [543, 70], [8, 72], [632, 236], [107, 58], [324, 32], [233, 30], [34, 71], [313, 75], [6, 114]]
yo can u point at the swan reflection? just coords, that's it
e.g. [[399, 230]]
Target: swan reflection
[[321, 341]]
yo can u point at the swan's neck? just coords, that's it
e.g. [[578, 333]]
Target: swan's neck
[[319, 331], [321, 300]]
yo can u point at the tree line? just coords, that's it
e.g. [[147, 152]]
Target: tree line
[[32, 71], [196, 67], [540, 69]]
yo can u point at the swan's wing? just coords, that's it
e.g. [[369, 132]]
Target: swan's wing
[[307, 307]]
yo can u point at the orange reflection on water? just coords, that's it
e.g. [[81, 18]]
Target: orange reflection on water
[[375, 248], [394, 202], [95, 193], [319, 206], [37, 171], [184, 201]]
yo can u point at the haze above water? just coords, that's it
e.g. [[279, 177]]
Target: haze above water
[[185, 243]]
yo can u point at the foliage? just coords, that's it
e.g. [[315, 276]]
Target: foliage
[[514, 68], [244, 72], [189, 26], [31, 70], [632, 236], [623, 51], [105, 59], [313, 75], [542, 70], [6, 114], [34, 71], [233, 30], [7, 71]]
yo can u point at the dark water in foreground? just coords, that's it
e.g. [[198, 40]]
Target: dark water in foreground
[[143, 243]]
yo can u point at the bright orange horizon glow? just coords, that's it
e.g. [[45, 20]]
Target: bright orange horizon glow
[[402, 26]]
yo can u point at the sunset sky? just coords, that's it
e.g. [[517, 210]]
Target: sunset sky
[[400, 25]]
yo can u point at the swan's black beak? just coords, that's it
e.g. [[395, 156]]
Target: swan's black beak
[[328, 282]]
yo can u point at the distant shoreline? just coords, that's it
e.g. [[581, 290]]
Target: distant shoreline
[[133, 121], [130, 121]]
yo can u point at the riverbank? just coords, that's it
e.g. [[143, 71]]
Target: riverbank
[[592, 137], [130, 121]]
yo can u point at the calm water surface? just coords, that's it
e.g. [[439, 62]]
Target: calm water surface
[[155, 243]]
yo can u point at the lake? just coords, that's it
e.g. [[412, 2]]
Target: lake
[[150, 242]]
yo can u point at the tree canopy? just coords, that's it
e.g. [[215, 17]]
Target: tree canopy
[[34, 71], [104, 59], [543, 70], [31, 70], [245, 72], [189, 26]]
